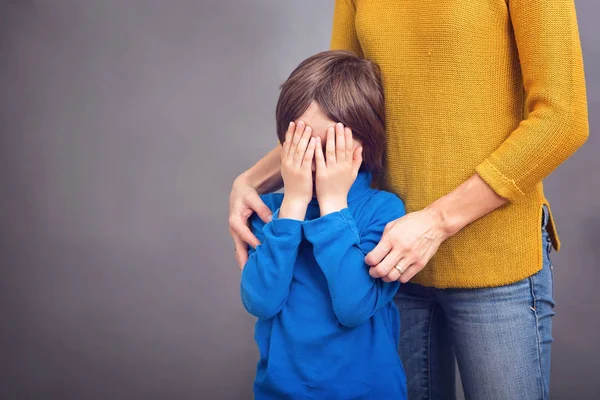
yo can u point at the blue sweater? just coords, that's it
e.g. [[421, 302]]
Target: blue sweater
[[325, 329]]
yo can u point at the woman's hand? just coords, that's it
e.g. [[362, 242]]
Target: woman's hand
[[409, 243], [296, 161], [337, 169], [243, 201]]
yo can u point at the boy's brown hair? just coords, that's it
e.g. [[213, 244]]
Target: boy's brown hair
[[348, 89]]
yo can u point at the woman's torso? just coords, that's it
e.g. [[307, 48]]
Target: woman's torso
[[454, 93]]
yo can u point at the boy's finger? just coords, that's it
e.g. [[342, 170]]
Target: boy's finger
[[357, 160], [340, 143], [288, 139], [349, 143], [330, 147], [300, 126], [310, 152], [302, 145], [295, 139], [319, 157]]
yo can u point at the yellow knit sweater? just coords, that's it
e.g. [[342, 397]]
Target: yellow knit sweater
[[494, 87]]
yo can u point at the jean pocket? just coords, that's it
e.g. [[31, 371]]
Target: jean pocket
[[545, 216], [547, 246], [548, 262]]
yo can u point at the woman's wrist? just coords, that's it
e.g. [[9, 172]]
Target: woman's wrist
[[265, 175], [470, 201], [264, 184], [442, 221], [243, 180]]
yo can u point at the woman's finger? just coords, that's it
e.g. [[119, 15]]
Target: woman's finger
[[409, 273], [386, 265], [241, 251], [319, 156], [348, 139], [377, 255], [340, 143], [239, 229], [330, 147], [255, 203], [388, 226], [302, 145], [309, 155], [392, 276], [399, 269]]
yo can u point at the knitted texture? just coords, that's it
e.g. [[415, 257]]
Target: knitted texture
[[489, 86]]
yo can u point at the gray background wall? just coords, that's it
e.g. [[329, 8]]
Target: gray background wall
[[123, 124]]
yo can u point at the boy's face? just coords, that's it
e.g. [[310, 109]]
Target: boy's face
[[319, 122]]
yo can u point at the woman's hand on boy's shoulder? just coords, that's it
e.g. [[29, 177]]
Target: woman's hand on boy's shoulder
[[244, 200], [407, 245]]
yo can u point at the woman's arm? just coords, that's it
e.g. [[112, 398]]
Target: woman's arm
[[267, 275], [410, 242], [343, 35], [556, 122], [265, 175], [340, 251], [555, 126]]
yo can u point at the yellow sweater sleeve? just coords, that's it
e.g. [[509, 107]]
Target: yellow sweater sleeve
[[343, 36], [555, 120]]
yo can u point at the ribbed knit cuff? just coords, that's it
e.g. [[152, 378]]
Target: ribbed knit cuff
[[500, 183], [322, 228], [286, 227]]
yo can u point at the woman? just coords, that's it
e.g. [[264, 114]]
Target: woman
[[484, 99]]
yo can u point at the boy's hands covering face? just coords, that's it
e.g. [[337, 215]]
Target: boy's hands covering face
[[337, 169], [296, 160]]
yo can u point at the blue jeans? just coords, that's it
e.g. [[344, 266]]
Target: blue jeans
[[500, 337]]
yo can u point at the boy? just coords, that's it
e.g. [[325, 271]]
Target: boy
[[326, 329]]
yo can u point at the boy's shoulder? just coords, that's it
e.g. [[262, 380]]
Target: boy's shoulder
[[272, 200], [383, 197], [386, 203]]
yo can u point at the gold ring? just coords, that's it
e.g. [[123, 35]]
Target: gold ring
[[399, 269]]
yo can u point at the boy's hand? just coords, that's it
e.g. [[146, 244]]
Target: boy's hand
[[296, 160], [337, 170]]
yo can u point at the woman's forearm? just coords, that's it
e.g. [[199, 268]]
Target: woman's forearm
[[467, 203], [410, 242], [265, 175]]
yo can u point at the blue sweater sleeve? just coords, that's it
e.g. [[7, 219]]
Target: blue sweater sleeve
[[340, 251], [267, 275]]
